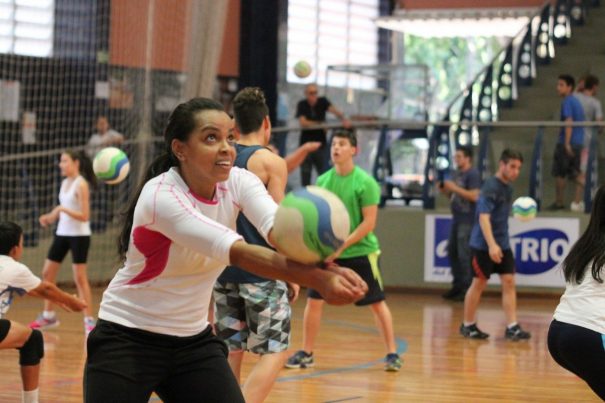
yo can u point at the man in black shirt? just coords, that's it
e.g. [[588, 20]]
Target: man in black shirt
[[311, 111]]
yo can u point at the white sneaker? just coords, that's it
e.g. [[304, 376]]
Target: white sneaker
[[577, 207]]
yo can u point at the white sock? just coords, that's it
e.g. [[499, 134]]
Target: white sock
[[511, 325], [30, 396], [48, 315], [469, 323]]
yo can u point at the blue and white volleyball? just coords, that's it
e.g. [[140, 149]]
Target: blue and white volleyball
[[111, 165], [311, 223], [525, 208]]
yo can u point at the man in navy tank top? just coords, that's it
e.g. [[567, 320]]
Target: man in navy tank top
[[253, 313]]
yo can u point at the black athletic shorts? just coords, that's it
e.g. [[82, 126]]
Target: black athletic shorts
[[78, 245], [125, 365], [368, 269], [564, 165], [5, 326], [484, 266]]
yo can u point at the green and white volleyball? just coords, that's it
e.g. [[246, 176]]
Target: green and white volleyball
[[302, 69], [310, 224], [111, 165], [525, 208]]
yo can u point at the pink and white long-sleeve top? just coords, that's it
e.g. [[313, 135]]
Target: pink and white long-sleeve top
[[179, 244]]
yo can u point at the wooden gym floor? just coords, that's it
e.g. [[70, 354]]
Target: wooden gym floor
[[439, 365]]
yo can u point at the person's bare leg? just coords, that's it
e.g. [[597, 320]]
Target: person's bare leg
[[49, 273], [384, 322], [235, 362], [311, 323], [17, 336], [580, 180], [509, 298], [472, 299], [262, 377]]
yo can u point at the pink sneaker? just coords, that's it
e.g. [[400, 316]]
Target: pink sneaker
[[42, 323]]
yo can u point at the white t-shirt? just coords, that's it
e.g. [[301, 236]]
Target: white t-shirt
[[15, 277], [583, 304], [179, 244], [99, 141], [68, 197]]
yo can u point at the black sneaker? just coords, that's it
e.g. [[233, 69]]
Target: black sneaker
[[300, 359], [459, 297], [555, 207], [392, 363], [515, 333], [449, 293], [472, 332]]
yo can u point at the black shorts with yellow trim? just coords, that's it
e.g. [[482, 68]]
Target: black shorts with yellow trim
[[368, 269]]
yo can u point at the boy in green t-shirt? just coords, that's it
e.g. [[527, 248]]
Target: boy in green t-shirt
[[360, 194]]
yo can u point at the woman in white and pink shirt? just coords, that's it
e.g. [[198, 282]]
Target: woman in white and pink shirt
[[153, 332]]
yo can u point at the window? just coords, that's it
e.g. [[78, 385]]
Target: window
[[26, 27], [332, 32]]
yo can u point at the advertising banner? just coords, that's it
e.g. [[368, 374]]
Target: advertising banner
[[539, 247]]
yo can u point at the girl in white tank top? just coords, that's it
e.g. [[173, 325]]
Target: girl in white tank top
[[73, 233], [69, 198]]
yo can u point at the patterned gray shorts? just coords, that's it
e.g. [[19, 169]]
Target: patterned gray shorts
[[253, 316]]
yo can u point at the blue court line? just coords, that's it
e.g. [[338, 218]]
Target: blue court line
[[346, 399], [402, 347]]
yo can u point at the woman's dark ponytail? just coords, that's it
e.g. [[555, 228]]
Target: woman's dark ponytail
[[158, 166]]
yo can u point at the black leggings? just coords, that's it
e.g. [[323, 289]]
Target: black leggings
[[581, 351], [127, 365]]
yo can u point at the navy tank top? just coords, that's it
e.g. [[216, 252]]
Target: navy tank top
[[234, 274]]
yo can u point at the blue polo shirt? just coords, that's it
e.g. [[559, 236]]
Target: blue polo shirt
[[495, 199], [572, 108]]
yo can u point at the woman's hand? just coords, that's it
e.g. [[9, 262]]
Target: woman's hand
[[341, 285]]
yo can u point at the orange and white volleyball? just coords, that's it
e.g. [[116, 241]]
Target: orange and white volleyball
[[302, 69]]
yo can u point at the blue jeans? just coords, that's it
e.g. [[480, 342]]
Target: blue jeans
[[459, 253]]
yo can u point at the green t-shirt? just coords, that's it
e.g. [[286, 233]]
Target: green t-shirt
[[356, 190]]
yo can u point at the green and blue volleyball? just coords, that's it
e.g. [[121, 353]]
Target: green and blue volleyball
[[311, 223], [302, 69], [525, 208], [111, 165]]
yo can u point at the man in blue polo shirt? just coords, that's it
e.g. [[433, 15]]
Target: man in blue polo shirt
[[491, 251], [568, 151]]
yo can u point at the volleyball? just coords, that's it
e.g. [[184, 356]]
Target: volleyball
[[111, 165], [525, 208], [302, 69], [310, 224]]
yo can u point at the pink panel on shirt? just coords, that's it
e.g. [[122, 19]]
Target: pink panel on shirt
[[154, 246]]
